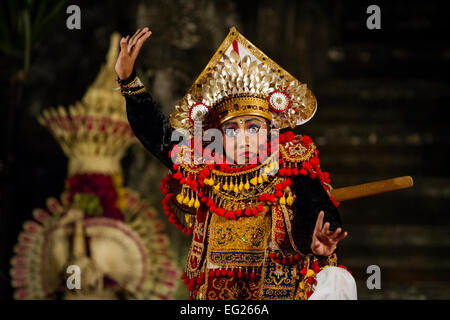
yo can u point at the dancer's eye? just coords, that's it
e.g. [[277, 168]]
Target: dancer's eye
[[253, 128], [231, 132]]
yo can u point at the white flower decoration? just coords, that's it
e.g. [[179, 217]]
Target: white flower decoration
[[279, 101], [198, 112]]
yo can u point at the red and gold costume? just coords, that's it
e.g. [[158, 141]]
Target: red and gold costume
[[251, 225]]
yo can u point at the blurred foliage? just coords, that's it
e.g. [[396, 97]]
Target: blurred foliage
[[23, 24]]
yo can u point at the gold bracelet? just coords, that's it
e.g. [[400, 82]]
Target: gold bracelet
[[128, 92], [129, 85]]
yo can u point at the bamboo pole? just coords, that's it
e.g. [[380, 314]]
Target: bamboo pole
[[371, 188]]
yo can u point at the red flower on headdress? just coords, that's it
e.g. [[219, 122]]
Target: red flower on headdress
[[279, 101], [198, 112]]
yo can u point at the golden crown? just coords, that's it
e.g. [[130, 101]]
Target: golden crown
[[239, 106], [241, 80]]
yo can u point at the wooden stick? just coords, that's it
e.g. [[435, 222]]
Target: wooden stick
[[371, 188]]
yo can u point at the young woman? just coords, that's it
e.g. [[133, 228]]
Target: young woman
[[264, 227]]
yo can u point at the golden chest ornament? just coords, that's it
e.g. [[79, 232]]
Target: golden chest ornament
[[244, 216]]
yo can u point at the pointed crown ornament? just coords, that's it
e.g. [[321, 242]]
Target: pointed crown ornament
[[104, 228], [241, 80], [94, 133]]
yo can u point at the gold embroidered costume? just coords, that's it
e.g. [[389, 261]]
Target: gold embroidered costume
[[251, 225]]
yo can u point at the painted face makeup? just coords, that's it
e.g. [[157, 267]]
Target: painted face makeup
[[242, 138]]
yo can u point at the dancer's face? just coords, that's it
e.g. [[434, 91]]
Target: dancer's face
[[243, 137]]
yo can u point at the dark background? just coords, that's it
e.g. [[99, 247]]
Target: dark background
[[382, 96]]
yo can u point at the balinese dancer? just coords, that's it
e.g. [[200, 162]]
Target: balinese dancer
[[265, 227]]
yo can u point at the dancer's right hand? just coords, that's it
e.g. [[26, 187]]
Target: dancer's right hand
[[129, 50]]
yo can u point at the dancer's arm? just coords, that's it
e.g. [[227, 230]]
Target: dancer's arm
[[148, 123]]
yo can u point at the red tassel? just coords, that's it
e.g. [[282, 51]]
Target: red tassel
[[255, 211], [295, 171], [224, 272], [272, 198], [260, 207], [288, 171], [231, 273], [217, 274], [248, 212], [272, 255], [315, 266], [178, 175], [240, 274], [263, 197], [307, 165], [184, 275], [211, 273], [282, 171]]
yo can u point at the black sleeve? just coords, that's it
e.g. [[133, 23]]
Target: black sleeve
[[311, 198], [148, 123]]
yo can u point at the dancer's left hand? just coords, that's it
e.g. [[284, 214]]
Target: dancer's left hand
[[324, 241]]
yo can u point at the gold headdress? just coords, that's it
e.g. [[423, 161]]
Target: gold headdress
[[241, 80]]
